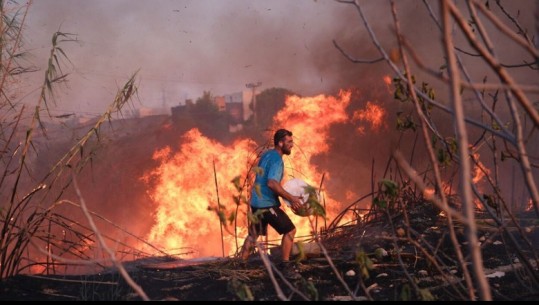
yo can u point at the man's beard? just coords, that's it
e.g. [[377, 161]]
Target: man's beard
[[286, 151]]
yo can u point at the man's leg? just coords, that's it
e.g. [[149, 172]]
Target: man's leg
[[283, 225], [280, 221], [286, 245], [248, 247], [288, 268]]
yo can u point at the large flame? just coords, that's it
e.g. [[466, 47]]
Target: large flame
[[184, 188], [309, 119], [185, 183]]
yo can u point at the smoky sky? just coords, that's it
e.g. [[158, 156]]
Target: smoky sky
[[182, 48], [185, 47]]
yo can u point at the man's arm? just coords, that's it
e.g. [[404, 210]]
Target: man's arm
[[296, 201]]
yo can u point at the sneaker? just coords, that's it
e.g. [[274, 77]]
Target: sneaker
[[289, 271]]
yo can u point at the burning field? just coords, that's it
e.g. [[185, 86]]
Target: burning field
[[420, 141], [188, 212], [425, 175], [199, 177], [383, 238]]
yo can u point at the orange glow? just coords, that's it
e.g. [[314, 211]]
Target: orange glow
[[529, 206], [388, 81], [428, 193], [183, 185], [37, 269], [350, 195], [373, 114], [479, 170]]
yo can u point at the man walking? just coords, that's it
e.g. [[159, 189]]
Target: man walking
[[265, 195]]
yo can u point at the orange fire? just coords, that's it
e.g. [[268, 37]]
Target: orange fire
[[349, 195], [479, 170], [529, 206], [309, 119], [373, 114], [183, 186], [430, 192], [387, 80]]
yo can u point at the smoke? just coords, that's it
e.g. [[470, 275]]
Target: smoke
[[185, 47]]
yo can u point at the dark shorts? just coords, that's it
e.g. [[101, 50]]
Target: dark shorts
[[275, 217]]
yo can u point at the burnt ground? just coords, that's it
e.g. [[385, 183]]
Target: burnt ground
[[363, 255]]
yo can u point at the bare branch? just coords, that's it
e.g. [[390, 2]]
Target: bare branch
[[465, 168], [355, 60], [434, 162], [523, 41], [496, 66]]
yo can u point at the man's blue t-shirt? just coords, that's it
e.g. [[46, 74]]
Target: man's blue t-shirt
[[272, 167]]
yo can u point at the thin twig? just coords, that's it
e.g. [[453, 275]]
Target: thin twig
[[111, 253], [462, 139]]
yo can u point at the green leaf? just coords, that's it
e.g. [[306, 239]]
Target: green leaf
[[240, 289], [311, 289], [222, 217], [313, 204], [425, 295], [442, 156], [365, 263], [301, 252], [399, 95], [434, 140], [258, 170], [390, 187], [255, 217], [379, 253], [406, 293], [380, 203], [231, 217], [405, 122], [257, 189], [431, 94], [237, 184], [453, 145]]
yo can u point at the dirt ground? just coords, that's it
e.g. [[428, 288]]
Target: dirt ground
[[364, 265]]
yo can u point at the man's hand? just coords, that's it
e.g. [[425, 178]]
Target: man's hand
[[296, 203]]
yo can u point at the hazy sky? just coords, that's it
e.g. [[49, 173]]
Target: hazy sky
[[183, 47]]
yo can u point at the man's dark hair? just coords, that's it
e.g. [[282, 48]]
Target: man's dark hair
[[279, 135]]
